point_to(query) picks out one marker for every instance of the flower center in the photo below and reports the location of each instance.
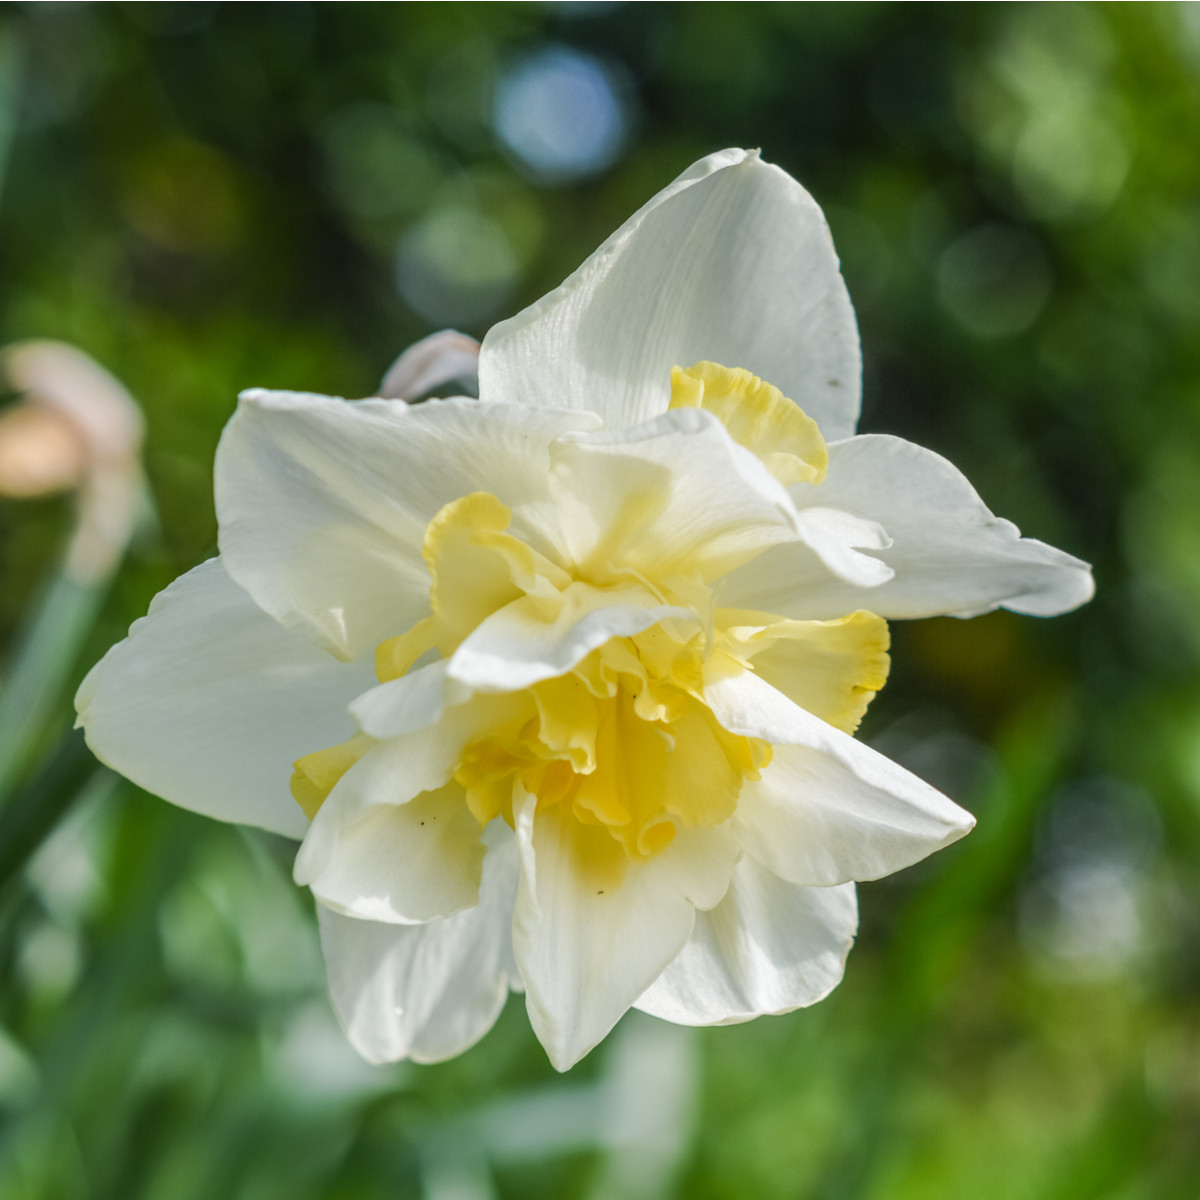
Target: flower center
(623, 740)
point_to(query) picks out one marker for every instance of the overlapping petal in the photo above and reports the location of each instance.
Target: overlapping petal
(380, 796)
(733, 263)
(831, 669)
(675, 492)
(426, 992)
(404, 863)
(768, 947)
(828, 809)
(209, 701)
(413, 702)
(591, 932)
(323, 504)
(522, 644)
(948, 555)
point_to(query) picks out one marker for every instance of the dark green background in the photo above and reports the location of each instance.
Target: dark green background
(208, 197)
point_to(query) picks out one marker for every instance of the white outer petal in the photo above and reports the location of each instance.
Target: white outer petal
(949, 554)
(415, 701)
(404, 863)
(768, 947)
(426, 992)
(390, 774)
(586, 957)
(323, 503)
(828, 809)
(733, 263)
(208, 703)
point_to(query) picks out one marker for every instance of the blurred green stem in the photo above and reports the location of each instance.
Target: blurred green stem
(36, 808)
(45, 655)
(10, 93)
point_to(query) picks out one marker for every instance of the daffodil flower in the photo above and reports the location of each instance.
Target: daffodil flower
(557, 687)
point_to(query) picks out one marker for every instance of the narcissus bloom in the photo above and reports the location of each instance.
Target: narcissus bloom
(557, 687)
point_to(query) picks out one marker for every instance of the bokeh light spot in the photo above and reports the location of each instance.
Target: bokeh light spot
(562, 114)
(375, 165)
(994, 280)
(456, 267)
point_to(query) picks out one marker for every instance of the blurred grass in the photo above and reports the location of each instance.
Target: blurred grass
(208, 198)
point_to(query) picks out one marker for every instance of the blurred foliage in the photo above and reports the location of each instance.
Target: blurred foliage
(210, 197)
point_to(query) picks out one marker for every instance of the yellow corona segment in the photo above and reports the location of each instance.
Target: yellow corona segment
(624, 746)
(477, 568)
(315, 775)
(758, 416)
(831, 668)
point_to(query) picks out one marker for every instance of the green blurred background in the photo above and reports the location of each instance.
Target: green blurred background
(208, 197)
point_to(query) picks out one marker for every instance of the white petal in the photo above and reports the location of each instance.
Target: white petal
(516, 648)
(586, 954)
(950, 555)
(413, 702)
(700, 863)
(677, 493)
(828, 808)
(323, 504)
(406, 863)
(208, 703)
(426, 992)
(837, 538)
(441, 358)
(370, 806)
(732, 263)
(768, 947)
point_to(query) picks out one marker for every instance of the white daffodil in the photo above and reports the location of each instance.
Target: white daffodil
(558, 686)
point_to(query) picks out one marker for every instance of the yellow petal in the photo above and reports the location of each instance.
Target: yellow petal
(470, 560)
(831, 668)
(567, 721)
(758, 416)
(394, 656)
(477, 568)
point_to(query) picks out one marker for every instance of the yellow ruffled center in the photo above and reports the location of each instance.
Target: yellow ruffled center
(624, 741)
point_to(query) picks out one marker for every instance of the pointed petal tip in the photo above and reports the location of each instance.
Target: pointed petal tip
(1088, 589)
(958, 822)
(1079, 587)
(563, 1050)
(1067, 585)
(961, 823)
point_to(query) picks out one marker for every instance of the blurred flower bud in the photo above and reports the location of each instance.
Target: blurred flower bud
(41, 452)
(75, 428)
(438, 359)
